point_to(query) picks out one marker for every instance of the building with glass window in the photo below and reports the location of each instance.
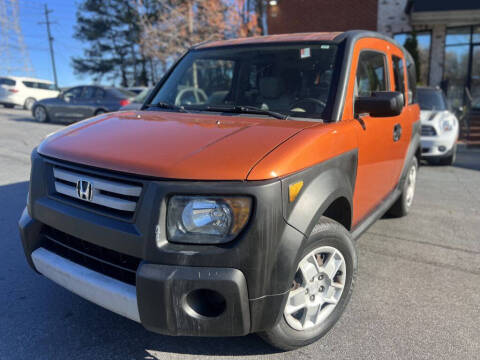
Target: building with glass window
(445, 34)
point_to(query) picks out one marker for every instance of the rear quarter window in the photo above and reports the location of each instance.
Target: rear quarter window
(411, 80)
(9, 82)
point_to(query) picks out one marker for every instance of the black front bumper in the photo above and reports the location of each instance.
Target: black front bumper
(206, 290)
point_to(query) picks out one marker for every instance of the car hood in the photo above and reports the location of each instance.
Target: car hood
(429, 116)
(171, 145)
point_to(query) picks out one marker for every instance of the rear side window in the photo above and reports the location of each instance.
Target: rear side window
(9, 82)
(46, 86)
(371, 73)
(30, 84)
(411, 80)
(99, 93)
(398, 73)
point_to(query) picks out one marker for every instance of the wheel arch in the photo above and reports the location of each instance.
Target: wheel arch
(340, 210)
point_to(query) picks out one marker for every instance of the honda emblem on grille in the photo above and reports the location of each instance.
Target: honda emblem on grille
(84, 190)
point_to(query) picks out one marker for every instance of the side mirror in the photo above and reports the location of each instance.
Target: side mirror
(380, 104)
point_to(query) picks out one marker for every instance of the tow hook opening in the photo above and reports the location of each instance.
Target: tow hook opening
(204, 303)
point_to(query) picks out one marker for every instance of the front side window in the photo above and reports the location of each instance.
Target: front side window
(73, 93)
(294, 80)
(371, 73)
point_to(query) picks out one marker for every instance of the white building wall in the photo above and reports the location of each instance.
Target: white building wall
(391, 17)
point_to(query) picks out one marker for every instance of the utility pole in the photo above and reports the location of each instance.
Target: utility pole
(50, 43)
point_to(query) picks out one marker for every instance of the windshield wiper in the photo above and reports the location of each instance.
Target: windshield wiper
(164, 105)
(247, 110)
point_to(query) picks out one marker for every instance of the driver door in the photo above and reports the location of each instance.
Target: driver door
(66, 108)
(376, 160)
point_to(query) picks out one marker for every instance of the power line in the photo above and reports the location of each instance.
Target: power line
(50, 43)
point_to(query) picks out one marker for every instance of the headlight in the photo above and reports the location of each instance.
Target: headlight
(206, 219)
(447, 125)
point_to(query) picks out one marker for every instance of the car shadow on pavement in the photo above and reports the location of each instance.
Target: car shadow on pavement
(466, 159)
(47, 312)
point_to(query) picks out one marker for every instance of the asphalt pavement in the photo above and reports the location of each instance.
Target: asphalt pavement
(417, 295)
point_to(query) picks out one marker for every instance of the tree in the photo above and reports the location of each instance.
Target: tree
(111, 27)
(411, 44)
(175, 25)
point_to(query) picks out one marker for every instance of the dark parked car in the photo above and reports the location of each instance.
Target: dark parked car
(81, 102)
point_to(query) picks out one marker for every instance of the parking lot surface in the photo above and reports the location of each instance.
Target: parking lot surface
(417, 294)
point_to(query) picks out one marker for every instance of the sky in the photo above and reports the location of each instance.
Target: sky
(62, 29)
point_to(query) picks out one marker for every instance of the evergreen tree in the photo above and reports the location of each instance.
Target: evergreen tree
(411, 44)
(111, 29)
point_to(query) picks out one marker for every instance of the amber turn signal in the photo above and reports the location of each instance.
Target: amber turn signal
(294, 190)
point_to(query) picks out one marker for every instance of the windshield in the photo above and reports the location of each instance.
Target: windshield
(295, 79)
(431, 100)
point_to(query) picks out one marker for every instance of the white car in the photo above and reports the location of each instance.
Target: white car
(23, 91)
(440, 127)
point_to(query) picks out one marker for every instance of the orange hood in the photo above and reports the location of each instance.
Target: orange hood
(171, 145)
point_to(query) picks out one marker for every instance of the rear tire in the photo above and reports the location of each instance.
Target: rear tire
(99, 112)
(40, 114)
(29, 103)
(330, 250)
(402, 206)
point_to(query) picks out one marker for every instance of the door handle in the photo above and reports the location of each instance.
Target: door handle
(397, 132)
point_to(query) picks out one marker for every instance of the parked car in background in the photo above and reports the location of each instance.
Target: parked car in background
(440, 127)
(81, 102)
(136, 89)
(138, 100)
(23, 91)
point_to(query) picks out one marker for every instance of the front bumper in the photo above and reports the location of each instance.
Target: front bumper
(205, 290)
(438, 146)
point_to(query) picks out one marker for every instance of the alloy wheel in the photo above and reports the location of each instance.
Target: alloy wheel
(411, 180)
(40, 114)
(316, 289)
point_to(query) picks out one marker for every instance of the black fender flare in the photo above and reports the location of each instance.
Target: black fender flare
(322, 185)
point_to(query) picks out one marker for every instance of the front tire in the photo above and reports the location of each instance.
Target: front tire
(321, 288)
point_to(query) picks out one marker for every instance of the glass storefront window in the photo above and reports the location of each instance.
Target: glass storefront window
(457, 36)
(476, 34)
(455, 72)
(462, 64)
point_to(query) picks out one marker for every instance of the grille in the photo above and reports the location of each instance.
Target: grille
(92, 190)
(428, 130)
(105, 261)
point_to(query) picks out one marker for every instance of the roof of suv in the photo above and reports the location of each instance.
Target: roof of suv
(23, 78)
(316, 36)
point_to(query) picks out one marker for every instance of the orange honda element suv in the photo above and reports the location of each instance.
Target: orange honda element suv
(231, 202)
